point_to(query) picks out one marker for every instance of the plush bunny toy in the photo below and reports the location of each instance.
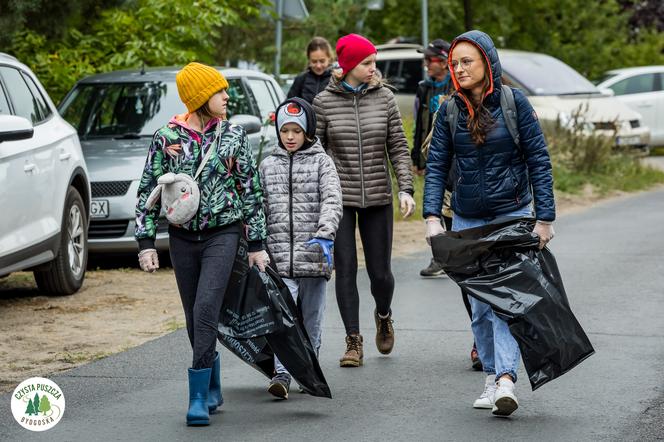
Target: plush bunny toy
(179, 197)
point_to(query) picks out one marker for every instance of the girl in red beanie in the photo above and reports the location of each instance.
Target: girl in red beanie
(359, 125)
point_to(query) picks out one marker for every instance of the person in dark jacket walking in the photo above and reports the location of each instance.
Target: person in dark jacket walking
(429, 95)
(203, 248)
(360, 127)
(495, 178)
(315, 79)
(303, 207)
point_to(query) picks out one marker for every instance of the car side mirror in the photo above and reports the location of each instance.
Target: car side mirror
(14, 128)
(251, 123)
(608, 92)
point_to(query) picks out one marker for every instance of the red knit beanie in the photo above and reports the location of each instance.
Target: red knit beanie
(351, 50)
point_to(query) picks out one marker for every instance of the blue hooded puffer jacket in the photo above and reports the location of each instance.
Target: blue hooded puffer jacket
(496, 177)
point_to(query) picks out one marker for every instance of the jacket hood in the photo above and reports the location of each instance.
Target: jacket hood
(313, 148)
(310, 133)
(488, 49)
(335, 85)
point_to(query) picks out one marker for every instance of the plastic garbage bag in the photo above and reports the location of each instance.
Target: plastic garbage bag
(500, 264)
(267, 294)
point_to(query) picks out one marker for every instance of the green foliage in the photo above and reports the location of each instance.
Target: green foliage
(44, 405)
(154, 32)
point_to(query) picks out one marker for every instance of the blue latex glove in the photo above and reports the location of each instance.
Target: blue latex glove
(326, 245)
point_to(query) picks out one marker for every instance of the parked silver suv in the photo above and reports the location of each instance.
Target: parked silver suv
(45, 195)
(116, 115)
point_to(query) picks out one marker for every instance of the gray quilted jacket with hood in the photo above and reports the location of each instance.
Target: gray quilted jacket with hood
(361, 131)
(302, 198)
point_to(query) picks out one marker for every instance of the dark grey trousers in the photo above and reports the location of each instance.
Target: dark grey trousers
(202, 264)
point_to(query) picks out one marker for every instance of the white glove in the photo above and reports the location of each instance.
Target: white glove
(407, 204)
(148, 260)
(545, 232)
(434, 228)
(260, 258)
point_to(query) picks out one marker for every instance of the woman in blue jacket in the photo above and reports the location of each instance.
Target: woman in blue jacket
(495, 178)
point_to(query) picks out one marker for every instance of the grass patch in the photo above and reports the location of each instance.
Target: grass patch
(173, 325)
(657, 151)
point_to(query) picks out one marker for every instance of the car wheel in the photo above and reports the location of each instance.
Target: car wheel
(66, 273)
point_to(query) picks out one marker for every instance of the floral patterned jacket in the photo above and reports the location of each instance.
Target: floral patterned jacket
(229, 183)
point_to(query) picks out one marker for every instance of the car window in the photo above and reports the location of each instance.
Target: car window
(40, 102)
(635, 85)
(121, 109)
(542, 74)
(238, 100)
(4, 104)
(25, 104)
(262, 95)
(412, 73)
(392, 69)
(380, 65)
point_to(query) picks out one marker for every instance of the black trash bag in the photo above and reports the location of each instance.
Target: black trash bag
(249, 308)
(500, 264)
(287, 339)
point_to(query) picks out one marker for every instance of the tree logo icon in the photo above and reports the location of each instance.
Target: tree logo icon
(38, 404)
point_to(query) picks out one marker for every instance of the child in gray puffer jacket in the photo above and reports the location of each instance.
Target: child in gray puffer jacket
(303, 205)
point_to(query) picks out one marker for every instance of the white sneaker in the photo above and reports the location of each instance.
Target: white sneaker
(505, 402)
(485, 400)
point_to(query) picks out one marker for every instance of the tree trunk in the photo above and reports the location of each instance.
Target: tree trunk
(468, 15)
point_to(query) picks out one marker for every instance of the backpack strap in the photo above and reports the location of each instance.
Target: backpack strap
(452, 115)
(508, 106)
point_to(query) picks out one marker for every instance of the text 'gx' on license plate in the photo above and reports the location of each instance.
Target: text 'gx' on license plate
(99, 209)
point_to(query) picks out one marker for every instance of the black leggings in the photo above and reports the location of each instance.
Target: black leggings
(202, 265)
(375, 225)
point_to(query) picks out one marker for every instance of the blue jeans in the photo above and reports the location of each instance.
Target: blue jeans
(311, 292)
(497, 348)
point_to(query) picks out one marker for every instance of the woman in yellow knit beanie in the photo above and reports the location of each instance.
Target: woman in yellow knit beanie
(203, 249)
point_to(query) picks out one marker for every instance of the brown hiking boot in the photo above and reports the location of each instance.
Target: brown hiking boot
(354, 354)
(384, 333)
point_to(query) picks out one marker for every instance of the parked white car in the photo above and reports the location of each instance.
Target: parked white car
(555, 90)
(45, 196)
(642, 89)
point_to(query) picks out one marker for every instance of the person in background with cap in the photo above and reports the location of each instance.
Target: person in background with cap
(430, 95)
(360, 127)
(203, 249)
(303, 207)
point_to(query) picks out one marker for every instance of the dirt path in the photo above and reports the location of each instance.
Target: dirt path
(116, 310)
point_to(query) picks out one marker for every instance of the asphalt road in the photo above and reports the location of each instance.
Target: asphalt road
(610, 257)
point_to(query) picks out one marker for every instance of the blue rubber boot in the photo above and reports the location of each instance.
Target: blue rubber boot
(199, 383)
(215, 399)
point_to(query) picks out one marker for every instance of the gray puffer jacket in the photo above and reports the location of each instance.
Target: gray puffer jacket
(361, 131)
(302, 198)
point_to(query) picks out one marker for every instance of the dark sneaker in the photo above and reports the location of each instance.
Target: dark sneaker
(433, 271)
(475, 359)
(384, 333)
(354, 354)
(280, 385)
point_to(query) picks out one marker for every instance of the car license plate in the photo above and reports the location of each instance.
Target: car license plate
(99, 209)
(628, 141)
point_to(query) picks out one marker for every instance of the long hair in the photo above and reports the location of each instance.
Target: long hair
(480, 120)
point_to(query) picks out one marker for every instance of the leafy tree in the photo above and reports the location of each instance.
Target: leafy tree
(35, 403)
(151, 32)
(44, 405)
(31, 408)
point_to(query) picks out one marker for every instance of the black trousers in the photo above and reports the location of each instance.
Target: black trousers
(376, 225)
(202, 263)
